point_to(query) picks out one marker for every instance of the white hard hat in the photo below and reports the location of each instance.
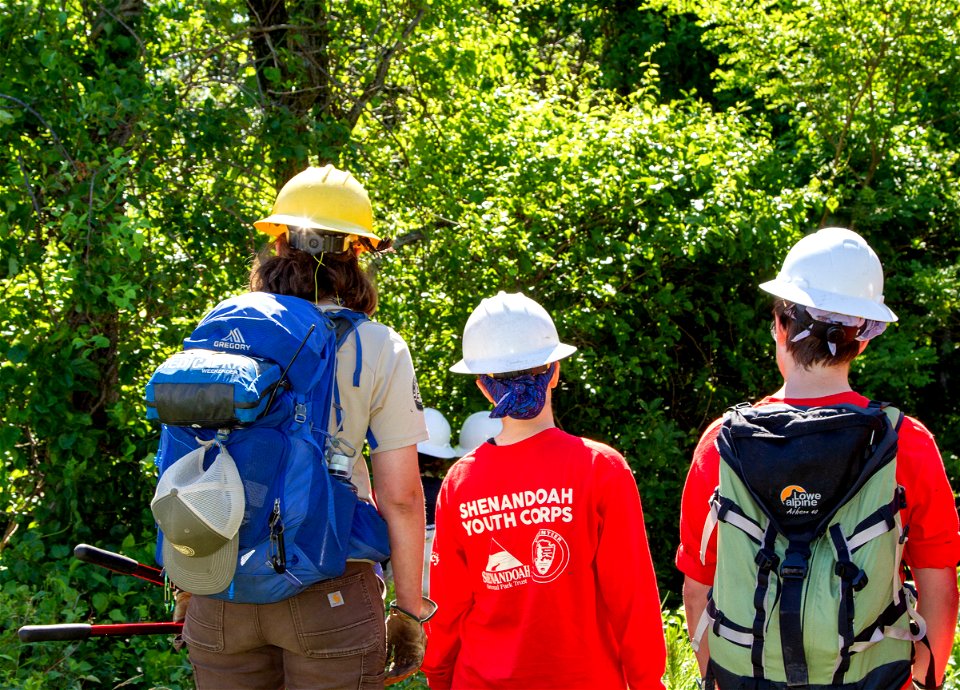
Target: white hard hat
(476, 429)
(834, 270)
(509, 332)
(438, 445)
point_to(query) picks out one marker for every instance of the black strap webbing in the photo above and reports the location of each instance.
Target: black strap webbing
(849, 575)
(767, 561)
(885, 514)
(720, 621)
(793, 572)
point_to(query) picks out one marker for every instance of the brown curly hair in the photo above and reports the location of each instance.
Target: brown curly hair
(282, 270)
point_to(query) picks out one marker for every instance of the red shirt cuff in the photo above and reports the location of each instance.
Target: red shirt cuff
(690, 565)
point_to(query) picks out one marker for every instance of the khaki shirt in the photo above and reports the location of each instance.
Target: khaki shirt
(387, 401)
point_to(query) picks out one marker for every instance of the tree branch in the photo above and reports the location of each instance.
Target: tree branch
(376, 84)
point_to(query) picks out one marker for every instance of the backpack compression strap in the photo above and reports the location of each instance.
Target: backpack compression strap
(725, 510)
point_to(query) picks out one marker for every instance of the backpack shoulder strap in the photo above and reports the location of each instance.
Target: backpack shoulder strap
(895, 416)
(345, 322)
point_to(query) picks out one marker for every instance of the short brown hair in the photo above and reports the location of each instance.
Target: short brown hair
(811, 350)
(282, 270)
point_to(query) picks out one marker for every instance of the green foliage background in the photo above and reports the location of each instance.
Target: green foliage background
(638, 168)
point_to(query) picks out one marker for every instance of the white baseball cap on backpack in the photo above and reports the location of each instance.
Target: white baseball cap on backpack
(200, 512)
(509, 332)
(833, 270)
(438, 444)
(476, 429)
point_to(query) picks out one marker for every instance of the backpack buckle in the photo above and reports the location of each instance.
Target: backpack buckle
(904, 534)
(766, 559)
(300, 413)
(851, 573)
(901, 498)
(794, 567)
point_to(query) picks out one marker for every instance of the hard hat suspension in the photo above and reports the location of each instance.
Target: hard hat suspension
(832, 328)
(316, 242)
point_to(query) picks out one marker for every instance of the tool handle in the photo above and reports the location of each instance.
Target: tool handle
(81, 631)
(54, 633)
(117, 563)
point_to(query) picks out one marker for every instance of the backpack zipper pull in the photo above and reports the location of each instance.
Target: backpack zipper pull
(278, 551)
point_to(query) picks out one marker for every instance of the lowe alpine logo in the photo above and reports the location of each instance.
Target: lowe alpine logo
(799, 501)
(232, 341)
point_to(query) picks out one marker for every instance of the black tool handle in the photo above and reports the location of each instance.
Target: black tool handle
(117, 563)
(54, 633)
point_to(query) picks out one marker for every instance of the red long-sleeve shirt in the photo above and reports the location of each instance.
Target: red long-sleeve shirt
(542, 572)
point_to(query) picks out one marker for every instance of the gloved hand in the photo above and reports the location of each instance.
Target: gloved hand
(406, 641)
(182, 601)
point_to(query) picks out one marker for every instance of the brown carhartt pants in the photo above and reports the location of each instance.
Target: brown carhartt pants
(329, 637)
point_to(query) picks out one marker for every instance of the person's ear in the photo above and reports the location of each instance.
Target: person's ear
(863, 346)
(483, 389)
(555, 379)
(778, 332)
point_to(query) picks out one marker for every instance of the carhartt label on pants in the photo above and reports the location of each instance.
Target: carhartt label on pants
(335, 598)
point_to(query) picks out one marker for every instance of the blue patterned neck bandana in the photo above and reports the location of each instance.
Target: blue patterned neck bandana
(522, 397)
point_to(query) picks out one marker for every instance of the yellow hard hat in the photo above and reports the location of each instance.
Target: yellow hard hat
(325, 199)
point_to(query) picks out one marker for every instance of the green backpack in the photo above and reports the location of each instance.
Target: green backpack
(808, 590)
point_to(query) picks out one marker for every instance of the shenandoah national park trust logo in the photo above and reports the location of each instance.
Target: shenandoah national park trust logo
(549, 555)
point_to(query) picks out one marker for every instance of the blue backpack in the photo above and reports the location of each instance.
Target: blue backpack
(258, 375)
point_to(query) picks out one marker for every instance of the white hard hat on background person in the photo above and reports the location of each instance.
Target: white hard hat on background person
(509, 332)
(438, 445)
(476, 429)
(321, 201)
(833, 270)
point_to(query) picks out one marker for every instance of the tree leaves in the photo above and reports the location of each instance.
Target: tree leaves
(579, 152)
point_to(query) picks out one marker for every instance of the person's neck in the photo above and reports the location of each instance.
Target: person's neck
(516, 430)
(816, 382)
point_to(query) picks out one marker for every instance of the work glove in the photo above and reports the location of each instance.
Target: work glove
(406, 641)
(181, 602)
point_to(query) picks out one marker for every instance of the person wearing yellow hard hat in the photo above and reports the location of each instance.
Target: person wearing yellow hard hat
(323, 210)
(333, 634)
